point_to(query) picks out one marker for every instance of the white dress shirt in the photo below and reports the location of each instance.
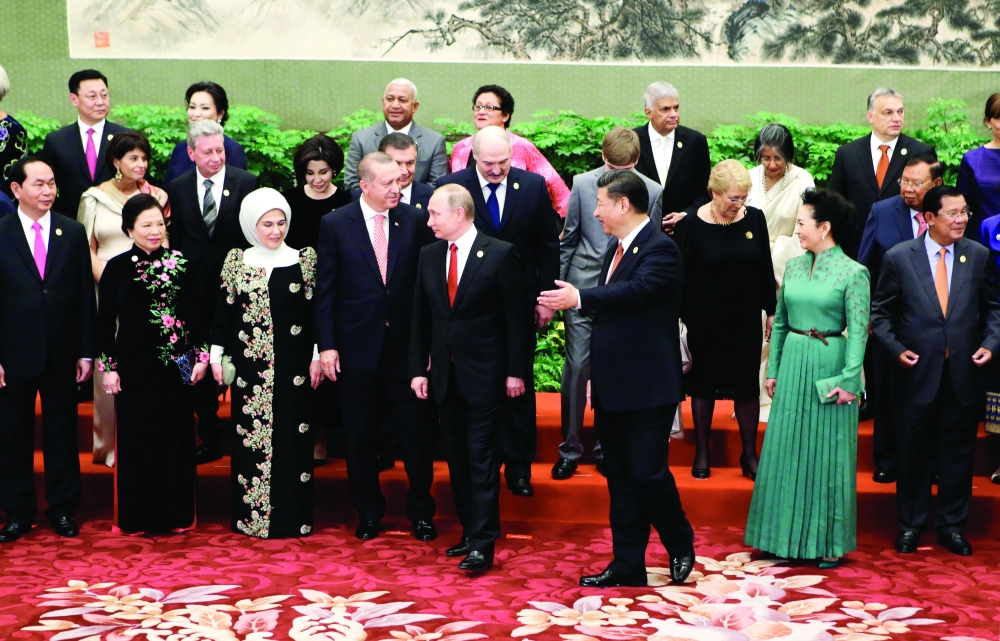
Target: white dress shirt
(369, 215)
(933, 257)
(662, 156)
(625, 243)
(98, 134)
(464, 245)
(29, 233)
(217, 181)
(877, 153)
(404, 130)
(405, 194)
(501, 191)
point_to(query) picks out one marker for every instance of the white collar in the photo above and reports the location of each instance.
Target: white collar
(655, 135)
(464, 242)
(406, 191)
(876, 143)
(627, 241)
(483, 182)
(98, 127)
(404, 130)
(933, 247)
(217, 179)
(27, 222)
(367, 210)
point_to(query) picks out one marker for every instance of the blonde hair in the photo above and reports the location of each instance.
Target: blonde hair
(458, 196)
(729, 174)
(621, 147)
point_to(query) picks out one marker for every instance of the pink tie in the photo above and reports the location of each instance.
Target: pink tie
(381, 246)
(39, 250)
(922, 224)
(91, 154)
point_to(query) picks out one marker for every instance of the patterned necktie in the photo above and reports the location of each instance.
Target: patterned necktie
(494, 204)
(614, 263)
(381, 246)
(453, 275)
(941, 281)
(883, 165)
(39, 249)
(921, 224)
(209, 210)
(91, 155)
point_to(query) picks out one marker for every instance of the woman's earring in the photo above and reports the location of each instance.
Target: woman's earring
(131, 237)
(823, 237)
(118, 175)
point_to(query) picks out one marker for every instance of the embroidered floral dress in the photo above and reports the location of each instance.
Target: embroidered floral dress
(155, 435)
(265, 324)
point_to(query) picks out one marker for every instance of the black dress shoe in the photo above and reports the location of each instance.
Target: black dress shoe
(701, 472)
(563, 469)
(521, 487)
(955, 543)
(386, 463)
(866, 410)
(477, 561)
(367, 530)
(599, 466)
(13, 531)
(65, 526)
(681, 566)
(612, 579)
(907, 542)
(206, 454)
(424, 531)
(459, 549)
(884, 475)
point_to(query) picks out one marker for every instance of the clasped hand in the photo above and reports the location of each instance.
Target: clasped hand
(909, 359)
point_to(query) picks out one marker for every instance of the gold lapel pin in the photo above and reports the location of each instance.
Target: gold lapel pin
(59, 233)
(110, 136)
(517, 186)
(961, 259)
(680, 145)
(903, 151)
(225, 192)
(749, 235)
(998, 236)
(479, 254)
(417, 206)
(635, 250)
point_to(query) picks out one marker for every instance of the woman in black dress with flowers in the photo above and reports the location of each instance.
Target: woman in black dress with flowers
(150, 357)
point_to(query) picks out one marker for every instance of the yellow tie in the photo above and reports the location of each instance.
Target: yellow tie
(941, 281)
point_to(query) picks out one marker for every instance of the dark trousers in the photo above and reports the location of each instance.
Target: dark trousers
(368, 400)
(945, 429)
(642, 489)
(471, 437)
(879, 363)
(57, 387)
(206, 407)
(518, 432)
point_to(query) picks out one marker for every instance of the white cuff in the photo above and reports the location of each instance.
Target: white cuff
(215, 354)
(579, 300)
(315, 352)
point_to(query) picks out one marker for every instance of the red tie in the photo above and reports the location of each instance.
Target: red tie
(453, 275)
(883, 165)
(614, 263)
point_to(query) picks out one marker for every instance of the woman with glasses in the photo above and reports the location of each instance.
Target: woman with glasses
(728, 281)
(493, 106)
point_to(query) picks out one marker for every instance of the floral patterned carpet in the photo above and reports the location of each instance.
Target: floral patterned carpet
(211, 584)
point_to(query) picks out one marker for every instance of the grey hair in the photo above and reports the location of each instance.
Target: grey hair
(882, 91)
(4, 84)
(366, 168)
(658, 90)
(405, 83)
(499, 133)
(201, 128)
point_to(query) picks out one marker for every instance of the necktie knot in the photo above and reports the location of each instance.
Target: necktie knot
(884, 148)
(37, 226)
(454, 248)
(379, 218)
(208, 183)
(90, 132)
(493, 187)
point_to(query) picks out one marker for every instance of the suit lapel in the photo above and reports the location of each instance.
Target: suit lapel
(482, 211)
(922, 268)
(609, 256)
(960, 272)
(646, 149)
(864, 158)
(902, 218)
(678, 155)
(54, 251)
(479, 246)
(16, 233)
(397, 229)
(896, 163)
(360, 231)
(631, 253)
(75, 145)
(510, 200)
(102, 146)
(439, 273)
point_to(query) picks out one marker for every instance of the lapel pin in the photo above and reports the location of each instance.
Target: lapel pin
(680, 145)
(998, 236)
(749, 235)
(517, 186)
(396, 223)
(961, 259)
(135, 259)
(635, 250)
(110, 136)
(225, 192)
(59, 233)
(903, 151)
(417, 206)
(479, 254)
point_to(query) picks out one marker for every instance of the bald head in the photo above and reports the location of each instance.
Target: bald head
(491, 147)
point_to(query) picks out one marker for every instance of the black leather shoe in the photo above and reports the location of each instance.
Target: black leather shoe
(477, 561)
(459, 549)
(367, 530)
(907, 542)
(866, 410)
(66, 526)
(701, 472)
(612, 579)
(955, 543)
(681, 566)
(386, 463)
(424, 531)
(563, 469)
(995, 478)
(13, 531)
(206, 454)
(521, 487)
(599, 466)
(884, 475)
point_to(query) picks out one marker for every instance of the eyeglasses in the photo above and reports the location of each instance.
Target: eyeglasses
(965, 213)
(903, 182)
(485, 108)
(738, 200)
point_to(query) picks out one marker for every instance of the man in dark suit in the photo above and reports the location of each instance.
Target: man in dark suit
(868, 169)
(891, 222)
(937, 311)
(513, 205)
(672, 156)
(635, 379)
(468, 319)
(76, 152)
(368, 253)
(47, 317)
(6, 206)
(205, 226)
(403, 150)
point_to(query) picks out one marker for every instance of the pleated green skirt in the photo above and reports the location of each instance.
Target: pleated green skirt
(804, 502)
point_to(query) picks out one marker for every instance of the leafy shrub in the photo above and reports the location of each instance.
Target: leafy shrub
(550, 353)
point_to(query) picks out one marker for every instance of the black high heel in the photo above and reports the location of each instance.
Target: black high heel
(745, 466)
(701, 472)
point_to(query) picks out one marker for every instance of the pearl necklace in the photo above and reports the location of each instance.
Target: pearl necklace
(763, 184)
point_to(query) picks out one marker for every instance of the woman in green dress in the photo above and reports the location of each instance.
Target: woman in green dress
(804, 503)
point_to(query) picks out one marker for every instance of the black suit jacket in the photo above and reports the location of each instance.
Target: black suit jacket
(634, 363)
(64, 152)
(686, 188)
(853, 176)
(888, 225)
(51, 318)
(906, 315)
(527, 221)
(352, 303)
(420, 195)
(482, 336)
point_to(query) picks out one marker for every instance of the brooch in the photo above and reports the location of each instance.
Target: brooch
(749, 235)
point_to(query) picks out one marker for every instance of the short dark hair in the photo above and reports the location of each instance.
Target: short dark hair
(218, 97)
(933, 198)
(506, 100)
(18, 171)
(622, 183)
(777, 137)
(396, 140)
(85, 74)
(830, 207)
(319, 147)
(992, 107)
(928, 158)
(135, 206)
(124, 143)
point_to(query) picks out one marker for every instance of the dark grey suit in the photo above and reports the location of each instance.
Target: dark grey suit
(432, 161)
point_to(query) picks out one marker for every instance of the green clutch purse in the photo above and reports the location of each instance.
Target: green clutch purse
(825, 386)
(228, 370)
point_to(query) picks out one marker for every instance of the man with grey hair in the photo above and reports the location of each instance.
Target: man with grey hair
(399, 103)
(205, 226)
(674, 157)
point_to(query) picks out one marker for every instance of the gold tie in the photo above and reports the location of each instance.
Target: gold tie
(941, 281)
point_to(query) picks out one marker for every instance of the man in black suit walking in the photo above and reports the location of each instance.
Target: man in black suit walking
(513, 205)
(205, 226)
(937, 311)
(47, 317)
(468, 319)
(76, 152)
(635, 379)
(672, 156)
(367, 263)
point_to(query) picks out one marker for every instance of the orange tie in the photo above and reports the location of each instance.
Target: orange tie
(883, 165)
(614, 263)
(941, 281)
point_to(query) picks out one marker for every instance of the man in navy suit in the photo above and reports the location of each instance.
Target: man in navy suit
(513, 205)
(76, 152)
(403, 150)
(635, 379)
(367, 262)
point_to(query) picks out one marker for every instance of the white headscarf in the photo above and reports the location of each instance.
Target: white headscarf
(255, 205)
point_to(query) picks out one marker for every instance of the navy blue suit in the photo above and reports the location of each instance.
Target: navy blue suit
(6, 206)
(420, 195)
